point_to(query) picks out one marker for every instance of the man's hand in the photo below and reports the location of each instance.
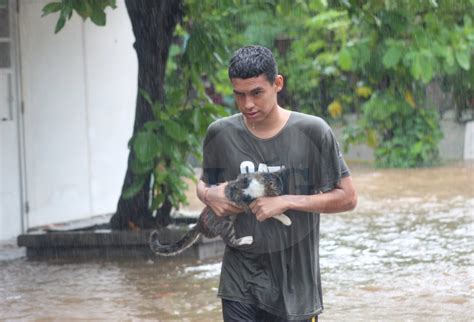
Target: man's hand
(216, 199)
(267, 207)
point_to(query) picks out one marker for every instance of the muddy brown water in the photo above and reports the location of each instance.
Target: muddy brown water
(405, 253)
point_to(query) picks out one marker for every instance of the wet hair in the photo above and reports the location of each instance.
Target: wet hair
(253, 61)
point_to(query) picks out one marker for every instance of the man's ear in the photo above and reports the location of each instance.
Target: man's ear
(279, 82)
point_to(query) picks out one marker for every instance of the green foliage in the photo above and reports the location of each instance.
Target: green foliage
(164, 145)
(372, 57)
(317, 63)
(404, 136)
(350, 50)
(93, 9)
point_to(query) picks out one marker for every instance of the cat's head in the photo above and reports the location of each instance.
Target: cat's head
(248, 187)
(273, 182)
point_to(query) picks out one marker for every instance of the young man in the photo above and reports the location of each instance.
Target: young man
(278, 278)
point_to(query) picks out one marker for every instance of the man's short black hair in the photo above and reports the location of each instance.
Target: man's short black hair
(253, 61)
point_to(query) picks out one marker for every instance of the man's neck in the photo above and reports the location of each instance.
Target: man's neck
(271, 125)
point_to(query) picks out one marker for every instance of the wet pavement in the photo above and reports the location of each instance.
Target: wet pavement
(406, 253)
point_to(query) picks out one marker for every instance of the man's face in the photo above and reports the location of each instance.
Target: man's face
(256, 97)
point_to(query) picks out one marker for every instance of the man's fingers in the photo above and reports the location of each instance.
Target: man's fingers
(253, 206)
(226, 209)
(234, 208)
(216, 211)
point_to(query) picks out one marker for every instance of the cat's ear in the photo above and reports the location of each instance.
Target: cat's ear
(240, 178)
(244, 180)
(284, 177)
(284, 173)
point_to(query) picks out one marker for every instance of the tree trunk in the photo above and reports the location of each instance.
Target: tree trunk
(153, 23)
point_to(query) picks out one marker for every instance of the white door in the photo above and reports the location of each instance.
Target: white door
(55, 117)
(10, 180)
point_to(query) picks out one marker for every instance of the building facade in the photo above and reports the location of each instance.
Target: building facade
(67, 104)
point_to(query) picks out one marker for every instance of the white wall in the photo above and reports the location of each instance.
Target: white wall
(10, 187)
(10, 204)
(79, 90)
(111, 75)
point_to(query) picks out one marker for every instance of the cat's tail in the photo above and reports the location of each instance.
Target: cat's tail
(177, 247)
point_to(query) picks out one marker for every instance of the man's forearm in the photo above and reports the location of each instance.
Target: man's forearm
(330, 202)
(342, 198)
(201, 188)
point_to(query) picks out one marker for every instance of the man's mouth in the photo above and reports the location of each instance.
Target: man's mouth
(251, 114)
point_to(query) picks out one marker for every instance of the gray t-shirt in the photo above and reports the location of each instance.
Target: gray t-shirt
(280, 271)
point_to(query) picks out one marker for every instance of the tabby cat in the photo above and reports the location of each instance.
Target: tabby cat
(243, 190)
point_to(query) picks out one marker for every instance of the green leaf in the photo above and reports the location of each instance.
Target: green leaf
(98, 17)
(157, 201)
(426, 70)
(159, 111)
(66, 12)
(146, 146)
(139, 167)
(60, 24)
(175, 130)
(417, 148)
(196, 119)
(135, 187)
(463, 58)
(51, 7)
(345, 59)
(415, 67)
(161, 176)
(151, 125)
(187, 171)
(82, 9)
(175, 155)
(146, 96)
(392, 56)
(449, 56)
(372, 140)
(111, 3)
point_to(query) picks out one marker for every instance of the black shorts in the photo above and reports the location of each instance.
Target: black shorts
(237, 311)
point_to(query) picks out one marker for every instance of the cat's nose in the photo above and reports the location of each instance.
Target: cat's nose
(247, 199)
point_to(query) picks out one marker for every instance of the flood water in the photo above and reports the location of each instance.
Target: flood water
(406, 253)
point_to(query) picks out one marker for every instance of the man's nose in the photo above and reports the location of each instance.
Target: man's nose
(248, 103)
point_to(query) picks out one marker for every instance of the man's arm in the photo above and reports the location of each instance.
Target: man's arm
(342, 198)
(214, 197)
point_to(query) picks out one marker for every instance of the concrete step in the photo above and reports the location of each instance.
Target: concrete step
(112, 245)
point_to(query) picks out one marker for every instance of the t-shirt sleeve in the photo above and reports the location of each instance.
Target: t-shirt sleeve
(210, 165)
(332, 167)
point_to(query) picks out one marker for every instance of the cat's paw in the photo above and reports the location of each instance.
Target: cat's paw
(285, 220)
(247, 240)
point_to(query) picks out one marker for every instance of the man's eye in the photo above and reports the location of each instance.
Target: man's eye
(256, 94)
